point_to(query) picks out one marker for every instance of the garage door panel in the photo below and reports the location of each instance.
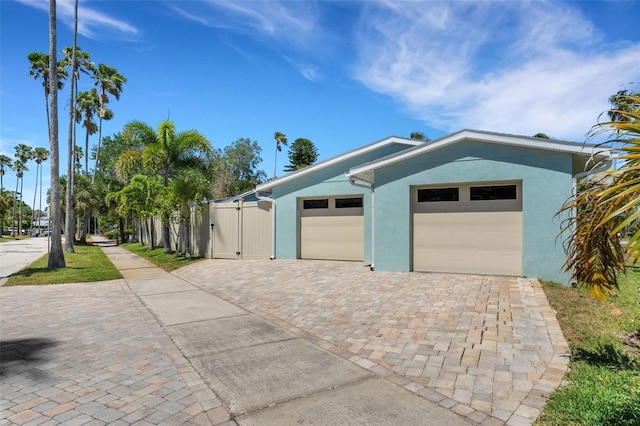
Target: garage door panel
(472, 242)
(332, 237)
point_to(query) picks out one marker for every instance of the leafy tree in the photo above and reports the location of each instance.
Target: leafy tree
(541, 135)
(141, 196)
(191, 187)
(623, 103)
(236, 168)
(7, 200)
(85, 199)
(56, 257)
(4, 163)
(417, 136)
(166, 154)
(607, 204)
(302, 153)
(108, 179)
(280, 139)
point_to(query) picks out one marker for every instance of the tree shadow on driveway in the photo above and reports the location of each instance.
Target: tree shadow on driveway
(21, 355)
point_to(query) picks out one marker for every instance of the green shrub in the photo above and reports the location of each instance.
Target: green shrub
(112, 235)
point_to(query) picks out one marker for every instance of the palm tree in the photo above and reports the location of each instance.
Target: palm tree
(78, 61)
(78, 153)
(109, 82)
(88, 105)
(19, 167)
(280, 139)
(141, 195)
(56, 256)
(607, 205)
(24, 153)
(4, 162)
(190, 188)
(40, 70)
(40, 155)
(165, 154)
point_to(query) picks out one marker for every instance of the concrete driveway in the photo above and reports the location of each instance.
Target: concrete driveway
(488, 348)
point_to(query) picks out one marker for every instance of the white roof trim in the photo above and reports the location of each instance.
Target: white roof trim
(497, 138)
(266, 187)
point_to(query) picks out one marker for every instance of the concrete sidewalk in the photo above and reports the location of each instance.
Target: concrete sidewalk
(263, 374)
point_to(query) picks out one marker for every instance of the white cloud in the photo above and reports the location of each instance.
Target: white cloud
(292, 25)
(308, 71)
(290, 22)
(508, 67)
(91, 22)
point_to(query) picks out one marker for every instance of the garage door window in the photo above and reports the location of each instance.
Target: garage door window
(348, 203)
(430, 195)
(493, 192)
(315, 204)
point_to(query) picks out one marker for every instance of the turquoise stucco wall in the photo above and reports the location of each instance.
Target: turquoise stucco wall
(546, 185)
(328, 181)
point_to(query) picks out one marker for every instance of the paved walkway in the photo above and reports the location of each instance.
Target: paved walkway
(16, 255)
(92, 354)
(488, 348)
(154, 349)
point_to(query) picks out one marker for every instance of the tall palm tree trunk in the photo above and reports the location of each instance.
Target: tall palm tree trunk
(13, 210)
(86, 153)
(20, 206)
(40, 206)
(85, 225)
(35, 193)
(70, 210)
(56, 256)
(95, 170)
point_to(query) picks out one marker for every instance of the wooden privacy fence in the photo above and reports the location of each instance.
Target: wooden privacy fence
(241, 230)
(233, 230)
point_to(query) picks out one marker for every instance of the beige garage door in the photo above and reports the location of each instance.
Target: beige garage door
(332, 228)
(471, 228)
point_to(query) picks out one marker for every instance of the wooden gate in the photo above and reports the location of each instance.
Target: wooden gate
(241, 230)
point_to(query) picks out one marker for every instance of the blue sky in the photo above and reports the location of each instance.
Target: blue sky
(342, 74)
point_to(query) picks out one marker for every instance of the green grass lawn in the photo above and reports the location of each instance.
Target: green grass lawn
(87, 264)
(604, 376)
(167, 261)
(6, 238)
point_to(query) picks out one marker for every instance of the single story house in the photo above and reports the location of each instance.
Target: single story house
(470, 202)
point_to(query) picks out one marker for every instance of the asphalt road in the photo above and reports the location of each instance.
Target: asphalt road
(16, 255)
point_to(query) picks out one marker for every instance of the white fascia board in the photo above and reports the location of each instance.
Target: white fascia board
(497, 138)
(267, 186)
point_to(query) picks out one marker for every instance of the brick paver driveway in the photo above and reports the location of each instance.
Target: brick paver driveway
(91, 354)
(471, 343)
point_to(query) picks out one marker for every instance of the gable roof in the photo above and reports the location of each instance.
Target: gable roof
(364, 171)
(245, 196)
(266, 187)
